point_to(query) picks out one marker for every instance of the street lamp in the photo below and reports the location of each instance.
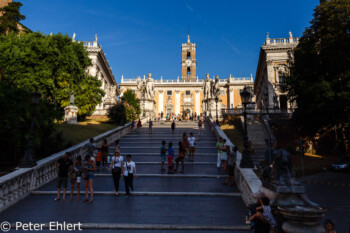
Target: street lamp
(29, 157)
(266, 103)
(246, 161)
(216, 101)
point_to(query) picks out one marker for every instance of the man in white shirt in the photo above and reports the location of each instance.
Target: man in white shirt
(192, 146)
(129, 172)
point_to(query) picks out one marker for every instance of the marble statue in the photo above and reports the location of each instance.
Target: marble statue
(283, 168)
(72, 98)
(215, 87)
(207, 87)
(149, 87)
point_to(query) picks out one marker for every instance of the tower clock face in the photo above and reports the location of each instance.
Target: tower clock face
(188, 62)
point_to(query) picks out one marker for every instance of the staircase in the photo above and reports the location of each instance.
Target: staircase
(195, 201)
(257, 135)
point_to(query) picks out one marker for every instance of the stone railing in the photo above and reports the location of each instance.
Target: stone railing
(247, 181)
(283, 41)
(198, 80)
(18, 184)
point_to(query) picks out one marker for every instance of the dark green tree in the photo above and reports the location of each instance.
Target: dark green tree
(130, 97)
(10, 18)
(53, 65)
(117, 114)
(319, 81)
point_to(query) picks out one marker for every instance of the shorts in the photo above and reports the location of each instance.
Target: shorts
(62, 181)
(98, 163)
(91, 176)
(192, 149)
(231, 170)
(163, 157)
(223, 156)
(78, 179)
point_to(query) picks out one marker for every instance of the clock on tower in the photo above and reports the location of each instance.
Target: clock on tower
(188, 62)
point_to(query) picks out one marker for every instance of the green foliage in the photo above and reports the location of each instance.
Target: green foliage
(54, 65)
(121, 113)
(9, 21)
(117, 114)
(16, 114)
(319, 80)
(130, 113)
(130, 97)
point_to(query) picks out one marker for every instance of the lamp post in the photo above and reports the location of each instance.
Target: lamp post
(246, 161)
(29, 157)
(266, 103)
(216, 101)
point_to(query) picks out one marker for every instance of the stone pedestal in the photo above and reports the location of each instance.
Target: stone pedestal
(209, 107)
(71, 114)
(147, 108)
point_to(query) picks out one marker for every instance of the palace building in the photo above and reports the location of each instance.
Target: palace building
(185, 94)
(273, 66)
(100, 68)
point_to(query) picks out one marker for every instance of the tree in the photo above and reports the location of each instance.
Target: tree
(53, 65)
(117, 114)
(16, 115)
(319, 81)
(132, 100)
(11, 16)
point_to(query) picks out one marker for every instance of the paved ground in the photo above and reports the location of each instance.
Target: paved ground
(170, 210)
(331, 190)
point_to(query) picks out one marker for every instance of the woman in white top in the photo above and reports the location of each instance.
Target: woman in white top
(116, 167)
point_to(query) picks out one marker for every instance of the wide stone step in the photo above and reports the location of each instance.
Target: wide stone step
(130, 150)
(159, 184)
(178, 210)
(155, 157)
(209, 169)
(141, 144)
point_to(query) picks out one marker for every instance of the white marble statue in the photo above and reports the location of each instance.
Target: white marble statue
(216, 87)
(150, 87)
(207, 87)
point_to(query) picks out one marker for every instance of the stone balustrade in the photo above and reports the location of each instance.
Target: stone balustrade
(230, 80)
(282, 41)
(18, 184)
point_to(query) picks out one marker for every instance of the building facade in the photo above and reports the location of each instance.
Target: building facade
(185, 95)
(273, 65)
(103, 71)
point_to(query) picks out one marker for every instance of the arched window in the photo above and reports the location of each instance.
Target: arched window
(188, 55)
(188, 71)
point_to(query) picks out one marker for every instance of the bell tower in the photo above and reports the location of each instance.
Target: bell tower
(188, 62)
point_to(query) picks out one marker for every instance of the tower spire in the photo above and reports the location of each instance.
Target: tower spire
(188, 34)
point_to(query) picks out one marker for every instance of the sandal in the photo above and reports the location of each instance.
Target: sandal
(56, 199)
(91, 201)
(86, 200)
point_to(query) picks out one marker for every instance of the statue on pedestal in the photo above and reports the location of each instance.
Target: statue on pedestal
(150, 87)
(207, 87)
(215, 87)
(72, 98)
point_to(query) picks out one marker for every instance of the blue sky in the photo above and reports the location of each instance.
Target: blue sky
(141, 36)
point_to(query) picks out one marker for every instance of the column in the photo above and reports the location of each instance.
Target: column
(197, 102)
(160, 102)
(232, 100)
(177, 102)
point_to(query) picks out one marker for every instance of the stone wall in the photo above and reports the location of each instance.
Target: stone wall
(18, 184)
